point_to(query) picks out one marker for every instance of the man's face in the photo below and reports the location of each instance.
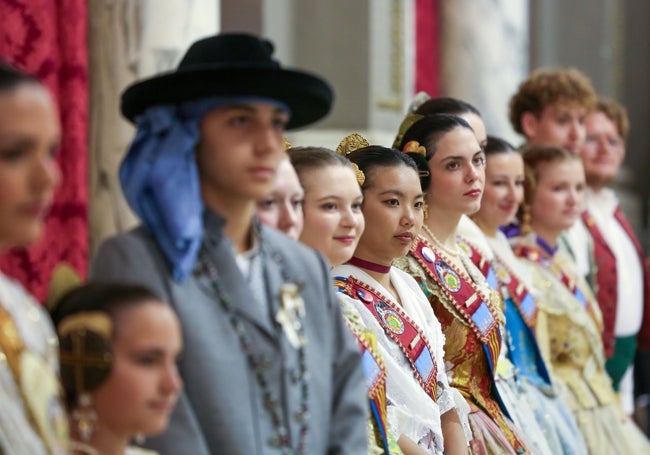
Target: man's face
(239, 152)
(603, 151)
(559, 124)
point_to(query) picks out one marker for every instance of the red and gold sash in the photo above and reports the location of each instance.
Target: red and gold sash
(535, 254)
(375, 374)
(479, 261)
(468, 300)
(399, 328)
(503, 276)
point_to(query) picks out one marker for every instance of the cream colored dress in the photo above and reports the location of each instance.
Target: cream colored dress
(32, 417)
(573, 348)
(411, 411)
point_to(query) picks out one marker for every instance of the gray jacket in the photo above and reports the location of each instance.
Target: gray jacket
(221, 409)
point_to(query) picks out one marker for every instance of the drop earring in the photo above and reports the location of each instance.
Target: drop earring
(85, 417)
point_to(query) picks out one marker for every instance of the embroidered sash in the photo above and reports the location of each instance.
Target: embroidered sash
(479, 261)
(504, 277)
(476, 309)
(535, 254)
(399, 328)
(375, 374)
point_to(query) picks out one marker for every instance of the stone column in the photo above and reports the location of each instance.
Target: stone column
(129, 40)
(485, 56)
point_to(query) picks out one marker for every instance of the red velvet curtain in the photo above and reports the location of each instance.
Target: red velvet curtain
(48, 38)
(427, 49)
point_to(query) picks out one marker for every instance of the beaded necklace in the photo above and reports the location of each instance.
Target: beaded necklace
(271, 403)
(440, 245)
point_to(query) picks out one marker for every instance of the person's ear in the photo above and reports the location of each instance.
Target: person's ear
(529, 124)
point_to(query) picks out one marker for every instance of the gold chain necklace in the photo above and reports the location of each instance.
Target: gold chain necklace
(451, 252)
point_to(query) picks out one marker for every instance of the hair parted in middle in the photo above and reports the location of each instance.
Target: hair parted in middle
(85, 319)
(534, 156)
(496, 145)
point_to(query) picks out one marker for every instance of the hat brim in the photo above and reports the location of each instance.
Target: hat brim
(309, 97)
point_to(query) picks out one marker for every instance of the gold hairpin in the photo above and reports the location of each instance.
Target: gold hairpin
(414, 147)
(408, 121)
(286, 143)
(350, 143)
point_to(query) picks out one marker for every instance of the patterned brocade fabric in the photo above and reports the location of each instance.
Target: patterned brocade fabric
(465, 360)
(48, 39)
(574, 350)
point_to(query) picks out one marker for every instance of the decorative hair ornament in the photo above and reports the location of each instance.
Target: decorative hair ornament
(86, 355)
(95, 321)
(406, 124)
(286, 143)
(418, 100)
(349, 144)
(414, 147)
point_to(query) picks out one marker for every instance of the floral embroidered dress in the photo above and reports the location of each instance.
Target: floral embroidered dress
(412, 410)
(471, 320)
(32, 417)
(554, 430)
(381, 440)
(569, 337)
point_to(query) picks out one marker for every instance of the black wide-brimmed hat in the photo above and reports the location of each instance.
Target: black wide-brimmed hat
(232, 65)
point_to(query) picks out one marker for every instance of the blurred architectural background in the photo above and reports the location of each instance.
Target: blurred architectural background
(377, 54)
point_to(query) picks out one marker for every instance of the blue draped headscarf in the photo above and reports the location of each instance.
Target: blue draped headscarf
(160, 178)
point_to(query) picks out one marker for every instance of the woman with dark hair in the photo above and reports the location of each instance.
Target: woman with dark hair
(503, 194)
(32, 418)
(468, 309)
(422, 408)
(570, 331)
(119, 344)
(424, 105)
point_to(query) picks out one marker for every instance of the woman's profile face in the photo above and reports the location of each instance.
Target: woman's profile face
(333, 218)
(457, 175)
(282, 208)
(504, 189)
(393, 207)
(29, 175)
(558, 198)
(143, 386)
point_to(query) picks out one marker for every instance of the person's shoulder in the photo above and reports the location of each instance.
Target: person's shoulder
(133, 237)
(131, 256)
(278, 243)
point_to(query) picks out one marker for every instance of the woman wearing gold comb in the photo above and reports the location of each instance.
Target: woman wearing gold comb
(424, 413)
(470, 312)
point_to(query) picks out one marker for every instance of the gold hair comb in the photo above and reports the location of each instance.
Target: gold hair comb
(349, 144)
